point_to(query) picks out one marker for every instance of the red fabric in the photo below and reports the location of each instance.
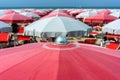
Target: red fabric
(75, 12)
(113, 36)
(106, 11)
(113, 45)
(57, 13)
(38, 61)
(101, 18)
(61, 46)
(4, 37)
(90, 41)
(94, 32)
(39, 13)
(23, 37)
(16, 18)
(9, 11)
(26, 10)
(21, 30)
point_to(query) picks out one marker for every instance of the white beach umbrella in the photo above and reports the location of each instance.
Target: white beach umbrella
(85, 14)
(18, 10)
(30, 14)
(4, 27)
(2, 12)
(116, 14)
(58, 25)
(112, 27)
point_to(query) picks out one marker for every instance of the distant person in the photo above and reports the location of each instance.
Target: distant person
(105, 38)
(14, 28)
(91, 36)
(15, 31)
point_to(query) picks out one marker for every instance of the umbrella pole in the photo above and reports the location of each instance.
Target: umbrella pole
(15, 43)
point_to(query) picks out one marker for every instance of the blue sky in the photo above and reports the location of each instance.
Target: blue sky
(62, 3)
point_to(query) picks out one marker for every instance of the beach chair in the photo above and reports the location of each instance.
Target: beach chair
(4, 39)
(23, 39)
(90, 40)
(113, 45)
(20, 37)
(20, 30)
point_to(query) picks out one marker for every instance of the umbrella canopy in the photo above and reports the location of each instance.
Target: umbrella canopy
(85, 14)
(112, 27)
(57, 12)
(30, 14)
(100, 18)
(47, 61)
(15, 18)
(105, 11)
(2, 12)
(9, 11)
(4, 27)
(116, 14)
(58, 25)
(39, 13)
(76, 12)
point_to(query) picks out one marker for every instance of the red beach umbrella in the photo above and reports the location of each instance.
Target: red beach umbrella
(76, 12)
(9, 11)
(48, 61)
(106, 11)
(15, 18)
(27, 10)
(100, 18)
(57, 13)
(39, 13)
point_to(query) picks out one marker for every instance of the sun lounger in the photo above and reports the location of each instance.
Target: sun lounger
(113, 45)
(20, 30)
(90, 41)
(20, 37)
(23, 39)
(4, 39)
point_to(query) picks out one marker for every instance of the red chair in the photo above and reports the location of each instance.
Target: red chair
(20, 30)
(90, 41)
(23, 39)
(113, 45)
(4, 38)
(20, 37)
